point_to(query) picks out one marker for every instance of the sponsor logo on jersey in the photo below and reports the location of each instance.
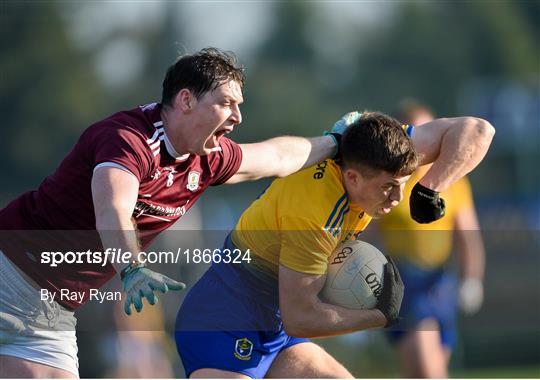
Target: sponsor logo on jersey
(144, 208)
(319, 170)
(193, 180)
(243, 349)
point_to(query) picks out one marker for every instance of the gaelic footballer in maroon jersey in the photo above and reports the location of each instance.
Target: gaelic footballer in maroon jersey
(135, 141)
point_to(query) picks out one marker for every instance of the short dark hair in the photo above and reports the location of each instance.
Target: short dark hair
(200, 72)
(378, 142)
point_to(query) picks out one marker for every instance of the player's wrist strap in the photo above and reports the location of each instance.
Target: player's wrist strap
(337, 140)
(131, 268)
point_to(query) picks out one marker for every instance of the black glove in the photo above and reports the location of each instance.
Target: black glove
(392, 293)
(425, 204)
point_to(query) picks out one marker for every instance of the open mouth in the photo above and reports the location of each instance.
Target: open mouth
(222, 132)
(214, 139)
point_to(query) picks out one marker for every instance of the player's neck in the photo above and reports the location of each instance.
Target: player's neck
(347, 187)
(173, 131)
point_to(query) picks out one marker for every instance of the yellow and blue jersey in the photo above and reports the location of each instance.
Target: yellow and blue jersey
(299, 220)
(426, 245)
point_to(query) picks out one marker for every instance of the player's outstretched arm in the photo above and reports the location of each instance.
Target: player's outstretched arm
(305, 315)
(455, 146)
(281, 156)
(114, 193)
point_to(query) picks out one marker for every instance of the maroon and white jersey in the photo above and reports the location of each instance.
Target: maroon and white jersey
(134, 141)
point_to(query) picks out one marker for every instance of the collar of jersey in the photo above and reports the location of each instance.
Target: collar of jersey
(337, 172)
(171, 150)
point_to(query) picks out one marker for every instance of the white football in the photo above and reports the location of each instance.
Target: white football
(355, 275)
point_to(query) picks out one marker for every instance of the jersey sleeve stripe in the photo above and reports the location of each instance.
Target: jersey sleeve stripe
(340, 215)
(336, 207)
(338, 229)
(154, 137)
(112, 165)
(158, 135)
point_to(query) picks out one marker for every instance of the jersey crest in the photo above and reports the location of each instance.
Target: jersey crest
(193, 180)
(243, 349)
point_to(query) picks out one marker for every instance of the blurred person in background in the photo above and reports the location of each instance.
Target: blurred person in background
(426, 335)
(128, 177)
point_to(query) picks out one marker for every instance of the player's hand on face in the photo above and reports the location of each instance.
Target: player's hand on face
(425, 204)
(392, 293)
(140, 282)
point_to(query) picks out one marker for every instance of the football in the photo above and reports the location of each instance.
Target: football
(354, 279)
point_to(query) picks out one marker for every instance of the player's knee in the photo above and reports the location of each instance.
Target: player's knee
(13, 367)
(336, 371)
(328, 367)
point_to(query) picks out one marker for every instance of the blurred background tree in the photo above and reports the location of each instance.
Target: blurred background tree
(48, 93)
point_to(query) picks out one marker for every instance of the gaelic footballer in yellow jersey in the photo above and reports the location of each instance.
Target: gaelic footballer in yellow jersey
(299, 220)
(255, 320)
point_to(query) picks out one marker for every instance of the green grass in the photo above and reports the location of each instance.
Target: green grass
(532, 372)
(374, 358)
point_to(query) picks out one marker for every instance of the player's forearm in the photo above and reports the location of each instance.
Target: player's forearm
(297, 153)
(117, 232)
(469, 244)
(462, 148)
(471, 253)
(323, 319)
(114, 194)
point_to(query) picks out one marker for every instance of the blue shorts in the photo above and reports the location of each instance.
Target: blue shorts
(428, 294)
(230, 320)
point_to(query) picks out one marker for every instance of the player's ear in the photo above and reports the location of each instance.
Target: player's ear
(353, 176)
(184, 100)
